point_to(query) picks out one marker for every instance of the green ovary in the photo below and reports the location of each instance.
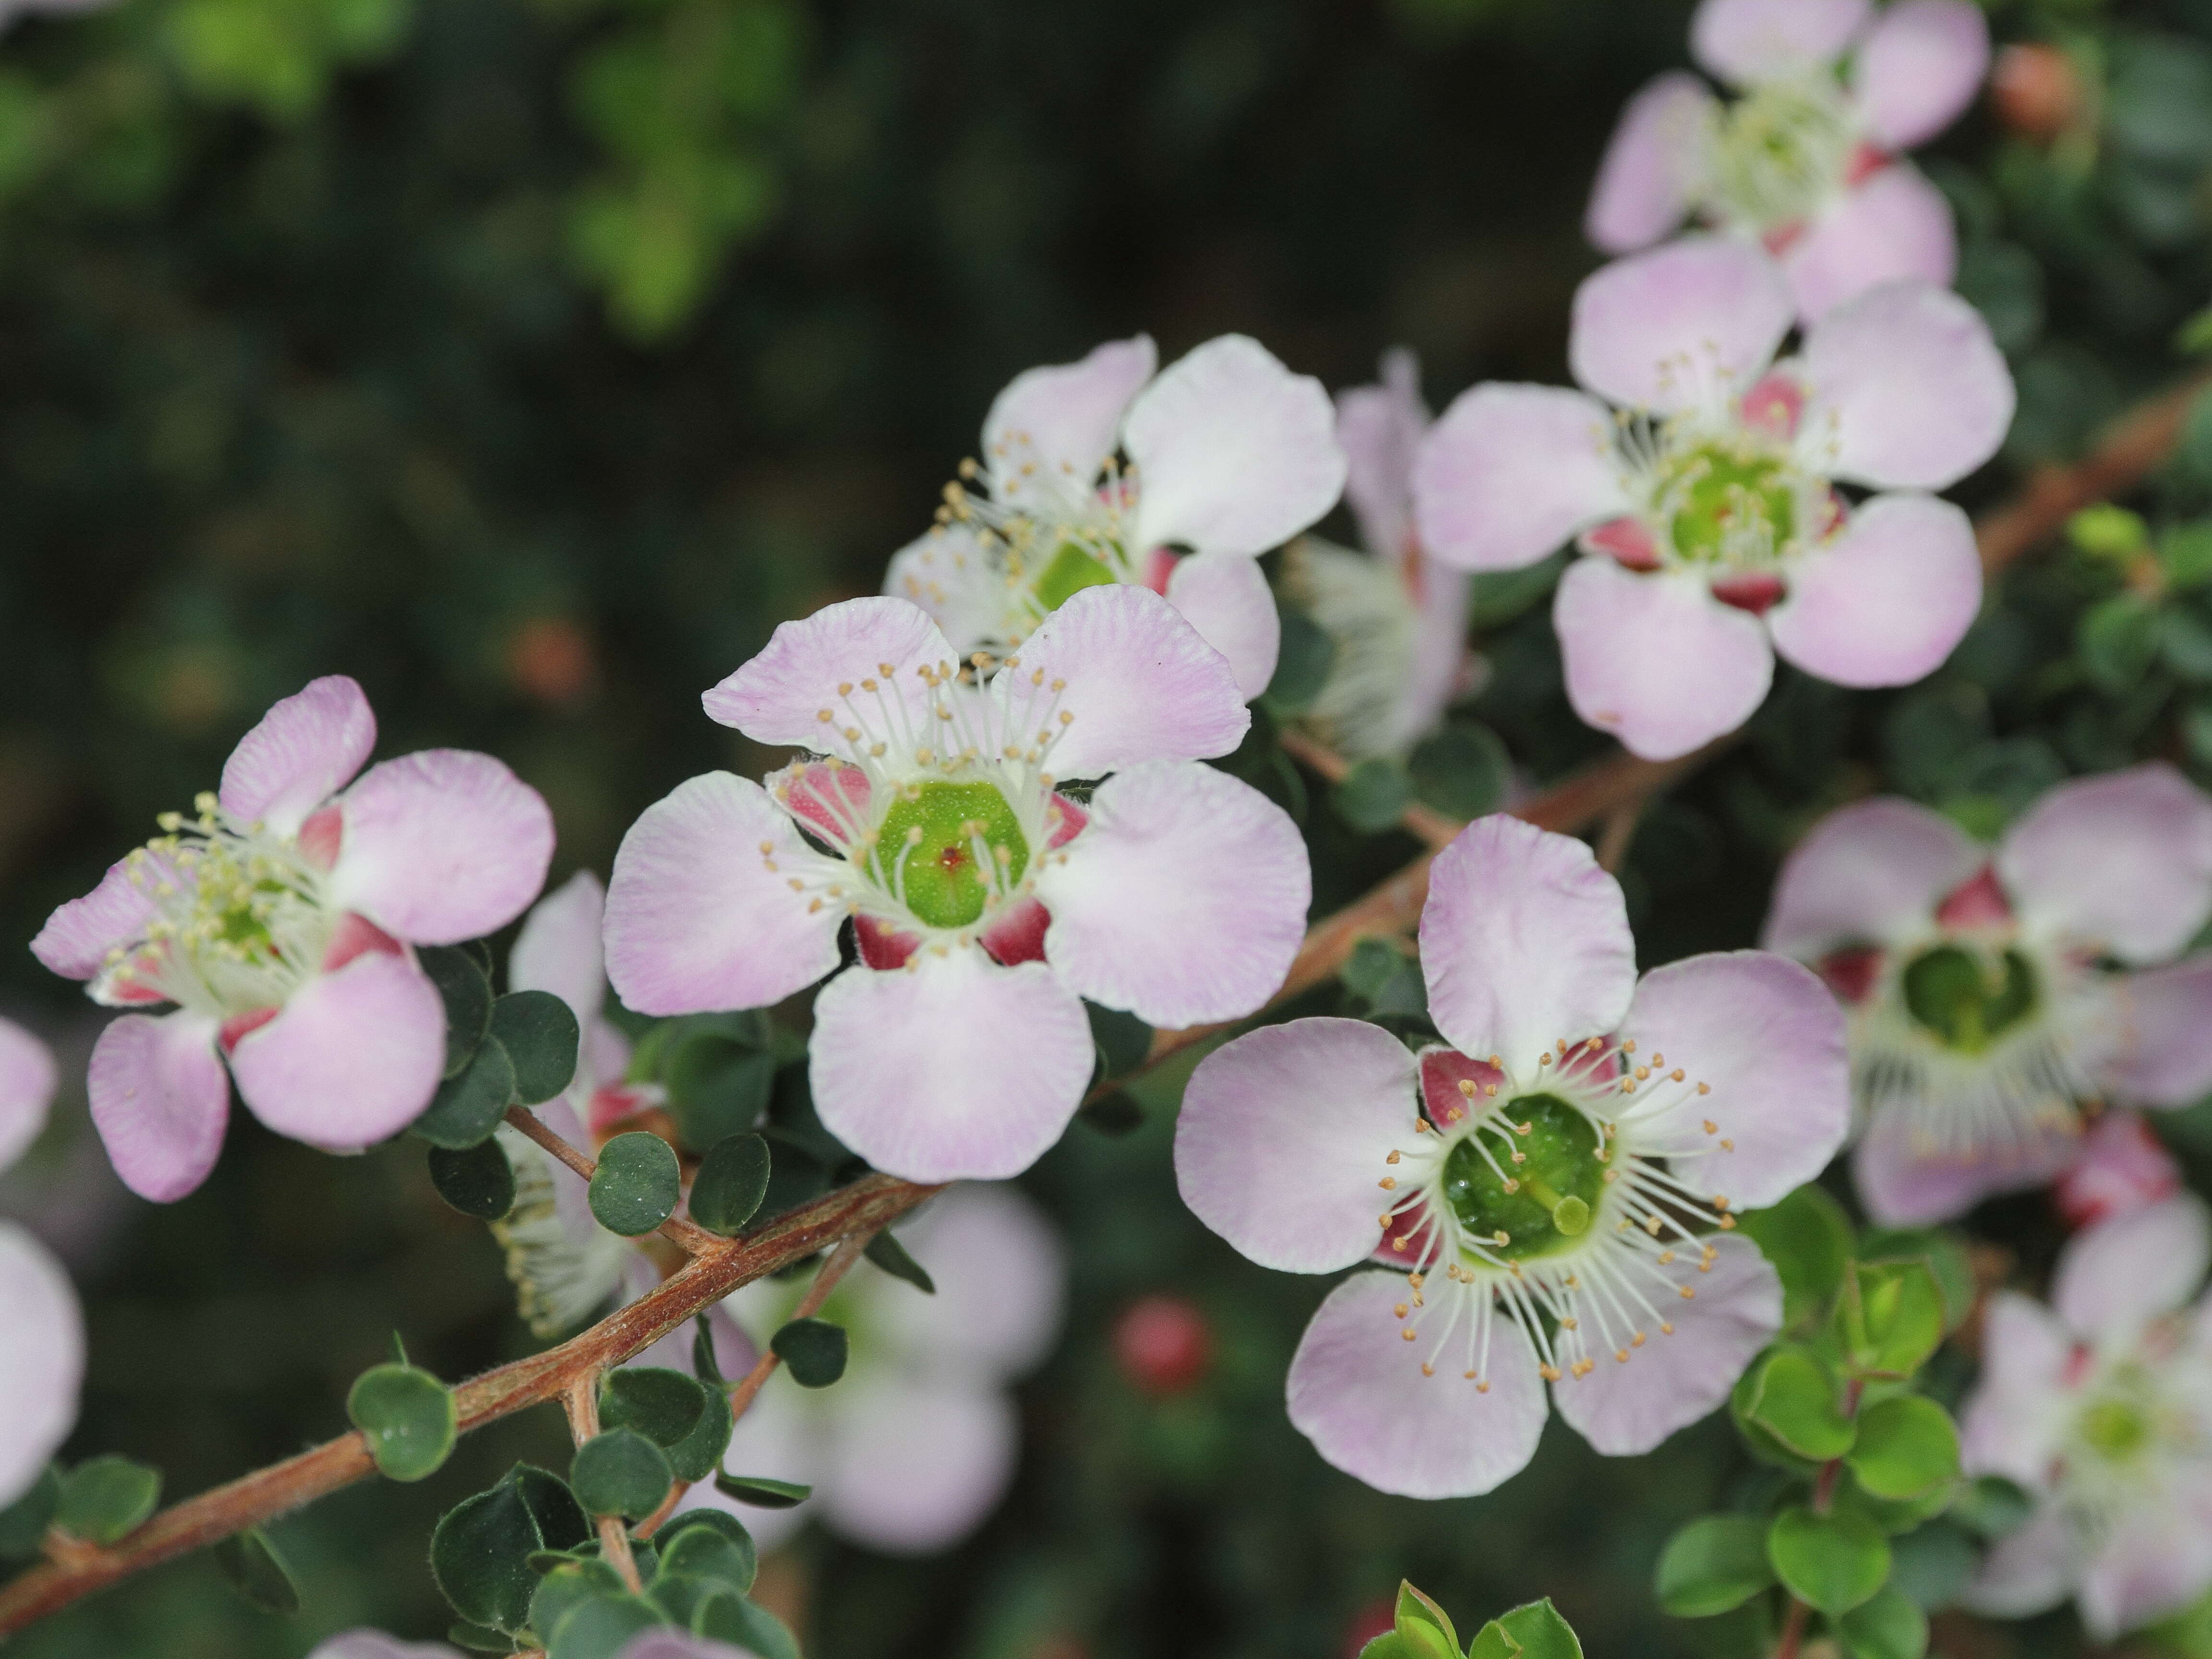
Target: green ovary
(2116, 1430)
(1070, 570)
(929, 840)
(1965, 1001)
(1727, 502)
(1558, 1186)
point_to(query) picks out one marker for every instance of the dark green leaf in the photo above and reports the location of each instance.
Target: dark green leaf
(1123, 1041)
(407, 1418)
(568, 1585)
(887, 1253)
(1713, 1565)
(1462, 770)
(1832, 1562)
(704, 1365)
(1373, 794)
(709, 1554)
(1888, 1627)
(250, 1564)
(601, 1626)
(1794, 1398)
(1116, 1113)
(2117, 639)
(719, 1074)
(2185, 644)
(725, 1617)
(465, 988)
(1302, 667)
(23, 1524)
(762, 1492)
(477, 1638)
(480, 1556)
(1495, 597)
(636, 1185)
(1807, 1238)
(813, 1349)
(731, 1181)
(467, 1109)
(1388, 980)
(663, 1405)
(1891, 1515)
(538, 1031)
(2185, 554)
(477, 1181)
(559, 1518)
(1992, 1506)
(720, 1521)
(107, 1498)
(1906, 1447)
(1933, 1565)
(620, 1472)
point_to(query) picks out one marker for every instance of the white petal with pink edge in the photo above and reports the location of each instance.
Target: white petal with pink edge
(353, 1058)
(1748, 41)
(1656, 660)
(915, 1463)
(160, 1101)
(2114, 1279)
(1183, 901)
(1063, 420)
(1888, 600)
(2121, 863)
(1907, 389)
(1511, 472)
(1647, 178)
(1904, 1185)
(1918, 68)
(27, 1085)
(301, 754)
(1685, 327)
(442, 845)
(1893, 226)
(41, 1363)
(2016, 1414)
(77, 937)
(2165, 1056)
(1226, 598)
(1284, 1134)
(948, 573)
(1869, 873)
(1002, 1278)
(1525, 941)
(952, 1069)
(1379, 428)
(780, 697)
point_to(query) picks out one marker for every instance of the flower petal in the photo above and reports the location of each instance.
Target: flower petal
(78, 935)
(41, 1363)
(1116, 677)
(1524, 941)
(2013, 1416)
(2114, 1279)
(1184, 899)
(1748, 41)
(1511, 472)
(950, 574)
(1226, 598)
(353, 1056)
(367, 1643)
(1886, 601)
(1282, 1134)
(1356, 1391)
(2120, 863)
(559, 948)
(1869, 873)
(1645, 180)
(2027, 1571)
(1768, 1037)
(1624, 1408)
(1918, 68)
(696, 918)
(1902, 1187)
(2165, 1055)
(1234, 453)
(27, 1085)
(1656, 660)
(781, 695)
(301, 754)
(917, 1462)
(1065, 418)
(442, 845)
(951, 1069)
(1379, 428)
(1893, 226)
(1680, 327)
(1002, 1278)
(160, 1100)
(1906, 389)
(2156, 1560)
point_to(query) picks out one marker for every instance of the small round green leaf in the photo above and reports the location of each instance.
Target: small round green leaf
(1712, 1565)
(732, 1179)
(569, 1583)
(708, 1553)
(1992, 1507)
(23, 1524)
(250, 1564)
(1901, 1317)
(663, 1405)
(813, 1349)
(602, 1626)
(1373, 794)
(465, 989)
(480, 1555)
(1794, 1398)
(1888, 1627)
(107, 1498)
(762, 1492)
(1532, 1631)
(1832, 1562)
(742, 1623)
(1907, 1448)
(1807, 1238)
(538, 1031)
(477, 1181)
(636, 1185)
(699, 1454)
(407, 1418)
(622, 1473)
(1463, 771)
(467, 1109)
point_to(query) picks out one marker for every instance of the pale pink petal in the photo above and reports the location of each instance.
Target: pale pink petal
(696, 918)
(1379, 428)
(951, 1069)
(301, 754)
(1918, 68)
(1902, 1186)
(2027, 1571)
(1511, 472)
(160, 1101)
(1356, 1390)
(1768, 1038)
(1063, 419)
(780, 697)
(1226, 598)
(2121, 1166)
(1684, 326)
(1893, 226)
(1184, 899)
(1002, 1278)
(1283, 1135)
(559, 948)
(1647, 179)
(27, 1084)
(1116, 677)
(1886, 601)
(1234, 453)
(2016, 1413)
(2155, 1562)
(1439, 670)
(442, 845)
(353, 1058)
(41, 1363)
(950, 574)
(2166, 1043)
(1656, 660)
(375, 1644)
(1907, 389)
(2115, 1277)
(1867, 873)
(1748, 41)
(1635, 1397)
(77, 937)
(1524, 941)
(916, 1462)
(2121, 863)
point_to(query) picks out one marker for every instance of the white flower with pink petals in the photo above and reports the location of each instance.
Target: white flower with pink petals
(42, 1360)
(1551, 1191)
(985, 903)
(1994, 992)
(1808, 160)
(1701, 479)
(1100, 473)
(2100, 1406)
(279, 921)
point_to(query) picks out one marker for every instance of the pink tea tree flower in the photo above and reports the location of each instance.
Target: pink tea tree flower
(913, 1448)
(1993, 992)
(1398, 619)
(985, 903)
(42, 1360)
(2100, 1406)
(1700, 477)
(279, 922)
(1549, 1192)
(1097, 472)
(1807, 160)
(2120, 1167)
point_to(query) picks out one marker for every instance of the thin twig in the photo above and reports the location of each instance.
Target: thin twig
(694, 1239)
(1424, 822)
(1615, 840)
(581, 1402)
(825, 1281)
(653, 1523)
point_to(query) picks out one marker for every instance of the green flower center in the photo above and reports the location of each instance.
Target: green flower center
(1779, 151)
(1071, 569)
(1556, 1189)
(1967, 1001)
(1727, 502)
(934, 846)
(2116, 1430)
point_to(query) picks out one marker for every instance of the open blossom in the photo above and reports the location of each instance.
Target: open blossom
(42, 1357)
(1705, 497)
(2100, 1406)
(984, 903)
(1993, 992)
(914, 1446)
(279, 921)
(1097, 472)
(1398, 619)
(1551, 1188)
(1807, 160)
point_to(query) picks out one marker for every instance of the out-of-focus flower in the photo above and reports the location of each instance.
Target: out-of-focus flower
(375, 1644)
(42, 1359)
(1555, 1187)
(1807, 159)
(1992, 991)
(1705, 496)
(2120, 1167)
(916, 1444)
(1095, 472)
(987, 905)
(2036, 89)
(552, 661)
(1398, 619)
(2100, 1406)
(279, 921)
(1163, 1343)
